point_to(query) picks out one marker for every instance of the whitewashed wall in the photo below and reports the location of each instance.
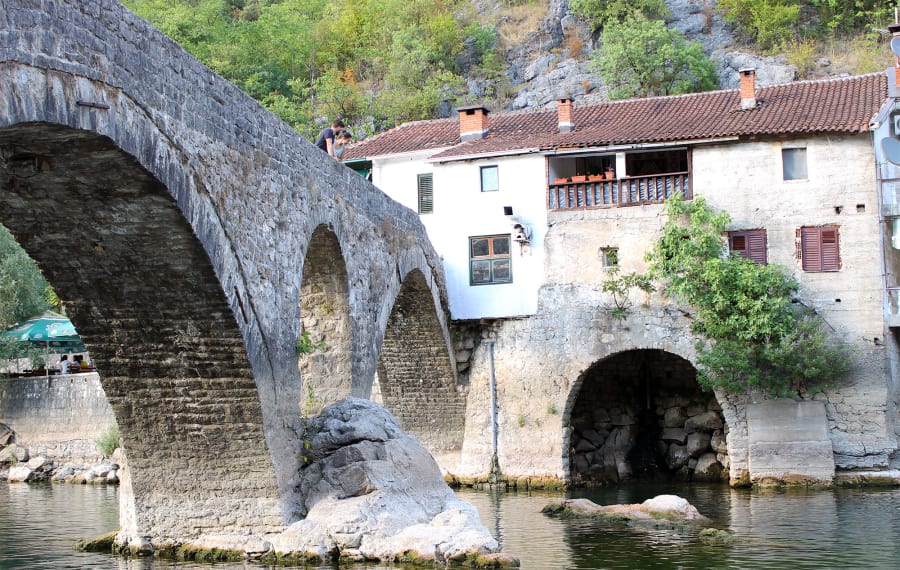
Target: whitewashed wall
(462, 210)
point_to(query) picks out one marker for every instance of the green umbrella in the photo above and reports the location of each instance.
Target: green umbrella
(49, 330)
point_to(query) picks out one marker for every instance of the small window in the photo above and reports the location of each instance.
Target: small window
(426, 199)
(609, 256)
(489, 260)
(794, 163)
(490, 181)
(750, 244)
(819, 248)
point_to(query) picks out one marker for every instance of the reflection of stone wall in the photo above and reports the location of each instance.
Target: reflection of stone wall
(641, 415)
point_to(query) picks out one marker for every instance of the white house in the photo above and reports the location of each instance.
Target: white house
(801, 168)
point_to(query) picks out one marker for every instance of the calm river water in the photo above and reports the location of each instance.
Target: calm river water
(793, 530)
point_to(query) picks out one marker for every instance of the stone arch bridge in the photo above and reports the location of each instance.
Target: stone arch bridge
(184, 227)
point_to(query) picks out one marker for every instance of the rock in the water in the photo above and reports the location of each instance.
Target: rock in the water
(660, 511)
(20, 474)
(372, 492)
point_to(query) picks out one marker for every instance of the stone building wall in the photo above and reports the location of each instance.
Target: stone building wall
(540, 361)
(57, 417)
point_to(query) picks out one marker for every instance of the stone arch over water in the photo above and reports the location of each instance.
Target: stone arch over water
(325, 345)
(173, 216)
(640, 414)
(416, 378)
(141, 291)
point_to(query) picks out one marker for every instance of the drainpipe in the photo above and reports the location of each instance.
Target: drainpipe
(495, 463)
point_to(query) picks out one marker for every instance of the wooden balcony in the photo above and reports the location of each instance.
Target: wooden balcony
(628, 191)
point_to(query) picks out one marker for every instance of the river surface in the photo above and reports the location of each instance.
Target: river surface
(776, 529)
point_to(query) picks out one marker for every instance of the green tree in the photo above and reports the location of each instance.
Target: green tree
(756, 335)
(771, 23)
(24, 292)
(599, 13)
(642, 57)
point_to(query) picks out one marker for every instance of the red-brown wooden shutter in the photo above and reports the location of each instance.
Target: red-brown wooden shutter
(820, 249)
(811, 249)
(756, 246)
(831, 258)
(750, 244)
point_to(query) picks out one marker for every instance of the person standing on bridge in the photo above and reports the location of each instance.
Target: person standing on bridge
(341, 143)
(327, 136)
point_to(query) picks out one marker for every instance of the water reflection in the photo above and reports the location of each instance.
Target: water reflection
(795, 529)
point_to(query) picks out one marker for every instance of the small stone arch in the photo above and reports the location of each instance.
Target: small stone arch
(325, 336)
(640, 414)
(416, 379)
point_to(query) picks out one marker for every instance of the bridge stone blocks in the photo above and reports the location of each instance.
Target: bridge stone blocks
(178, 222)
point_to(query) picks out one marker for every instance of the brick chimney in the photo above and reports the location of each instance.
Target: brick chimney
(895, 40)
(564, 114)
(473, 122)
(748, 88)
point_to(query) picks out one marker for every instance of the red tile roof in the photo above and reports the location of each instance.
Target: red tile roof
(844, 105)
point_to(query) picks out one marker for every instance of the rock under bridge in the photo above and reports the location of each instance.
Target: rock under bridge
(184, 227)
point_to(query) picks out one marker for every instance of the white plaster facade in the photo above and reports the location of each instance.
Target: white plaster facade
(462, 210)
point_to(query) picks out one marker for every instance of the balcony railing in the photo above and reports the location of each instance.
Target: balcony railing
(629, 191)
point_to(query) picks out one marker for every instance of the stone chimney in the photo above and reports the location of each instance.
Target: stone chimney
(748, 88)
(473, 122)
(564, 114)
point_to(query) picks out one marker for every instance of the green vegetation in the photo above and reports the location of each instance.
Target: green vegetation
(757, 337)
(305, 344)
(373, 63)
(642, 57)
(774, 24)
(600, 13)
(619, 289)
(24, 293)
(378, 63)
(108, 440)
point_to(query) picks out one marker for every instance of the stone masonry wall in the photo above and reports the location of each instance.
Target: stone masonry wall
(541, 360)
(57, 417)
(189, 212)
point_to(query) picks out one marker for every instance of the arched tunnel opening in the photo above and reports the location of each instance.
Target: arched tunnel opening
(641, 415)
(415, 377)
(325, 343)
(141, 290)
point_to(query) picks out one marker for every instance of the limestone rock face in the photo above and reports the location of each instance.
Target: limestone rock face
(372, 492)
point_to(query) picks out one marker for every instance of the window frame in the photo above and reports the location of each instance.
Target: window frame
(421, 189)
(816, 254)
(491, 258)
(784, 163)
(496, 170)
(755, 245)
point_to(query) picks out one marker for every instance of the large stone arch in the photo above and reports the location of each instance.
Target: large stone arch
(325, 344)
(209, 165)
(416, 376)
(140, 289)
(641, 414)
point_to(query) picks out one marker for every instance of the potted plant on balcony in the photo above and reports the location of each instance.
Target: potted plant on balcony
(610, 173)
(580, 178)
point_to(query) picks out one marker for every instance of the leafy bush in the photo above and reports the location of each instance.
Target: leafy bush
(108, 440)
(642, 57)
(756, 336)
(600, 13)
(771, 23)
